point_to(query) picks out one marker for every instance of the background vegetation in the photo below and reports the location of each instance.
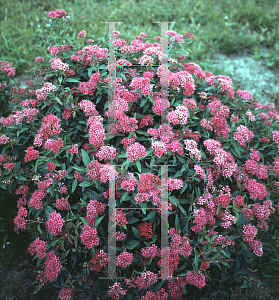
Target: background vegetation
(219, 25)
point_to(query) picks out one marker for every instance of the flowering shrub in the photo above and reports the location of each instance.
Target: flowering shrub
(221, 147)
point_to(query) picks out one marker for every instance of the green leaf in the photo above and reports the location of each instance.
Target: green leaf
(136, 232)
(98, 221)
(73, 79)
(84, 221)
(173, 200)
(75, 183)
(132, 244)
(233, 236)
(177, 223)
(151, 98)
(150, 215)
(85, 157)
(85, 183)
(182, 209)
(138, 165)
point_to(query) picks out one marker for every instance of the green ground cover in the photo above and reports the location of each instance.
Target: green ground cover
(219, 26)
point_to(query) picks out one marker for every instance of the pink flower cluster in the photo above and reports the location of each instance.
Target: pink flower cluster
(196, 279)
(89, 237)
(190, 103)
(129, 185)
(81, 34)
(106, 152)
(36, 199)
(19, 220)
(160, 148)
(57, 64)
(59, 13)
(38, 247)
(88, 88)
(199, 171)
(142, 84)
(145, 280)
(256, 189)
(160, 295)
(99, 261)
(135, 151)
(124, 259)
(3, 139)
(31, 154)
(246, 95)
(191, 146)
(55, 223)
(94, 209)
(116, 291)
(175, 184)
(62, 204)
(7, 68)
(54, 145)
(65, 293)
(206, 124)
(262, 212)
(249, 233)
(42, 93)
(178, 116)
(242, 135)
(73, 149)
(52, 266)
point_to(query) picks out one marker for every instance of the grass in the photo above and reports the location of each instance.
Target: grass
(219, 26)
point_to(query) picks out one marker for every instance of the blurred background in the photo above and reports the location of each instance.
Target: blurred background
(236, 38)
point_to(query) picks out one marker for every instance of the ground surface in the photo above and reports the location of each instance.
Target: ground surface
(18, 271)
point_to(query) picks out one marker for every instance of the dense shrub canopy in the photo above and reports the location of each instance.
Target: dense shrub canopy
(220, 145)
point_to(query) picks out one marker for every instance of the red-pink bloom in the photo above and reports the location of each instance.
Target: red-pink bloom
(124, 259)
(36, 199)
(19, 220)
(135, 151)
(116, 291)
(65, 293)
(89, 237)
(31, 154)
(81, 34)
(62, 204)
(99, 261)
(196, 279)
(55, 223)
(38, 247)
(52, 266)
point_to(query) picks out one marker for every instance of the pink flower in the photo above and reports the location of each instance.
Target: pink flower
(38, 247)
(89, 237)
(31, 154)
(62, 204)
(81, 34)
(116, 291)
(52, 266)
(99, 261)
(196, 279)
(3, 139)
(124, 259)
(106, 152)
(65, 293)
(242, 135)
(55, 223)
(19, 220)
(135, 151)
